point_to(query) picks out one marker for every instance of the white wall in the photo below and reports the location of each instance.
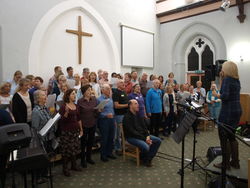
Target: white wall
(235, 35)
(19, 20)
(1, 59)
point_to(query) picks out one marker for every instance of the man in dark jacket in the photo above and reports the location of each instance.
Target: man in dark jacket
(136, 133)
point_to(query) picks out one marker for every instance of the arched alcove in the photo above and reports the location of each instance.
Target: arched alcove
(50, 37)
(186, 36)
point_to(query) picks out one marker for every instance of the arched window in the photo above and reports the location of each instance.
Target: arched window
(193, 60)
(199, 55)
(207, 58)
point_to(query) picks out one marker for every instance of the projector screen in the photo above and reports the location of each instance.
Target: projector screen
(137, 47)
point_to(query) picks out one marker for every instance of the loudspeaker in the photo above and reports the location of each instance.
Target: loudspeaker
(216, 183)
(213, 152)
(218, 66)
(14, 136)
(210, 73)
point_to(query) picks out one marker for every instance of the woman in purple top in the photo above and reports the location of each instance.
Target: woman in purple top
(88, 114)
(71, 129)
(136, 94)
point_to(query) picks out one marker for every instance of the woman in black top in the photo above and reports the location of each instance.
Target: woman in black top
(22, 103)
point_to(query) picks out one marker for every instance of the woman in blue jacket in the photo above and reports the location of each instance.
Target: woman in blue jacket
(230, 114)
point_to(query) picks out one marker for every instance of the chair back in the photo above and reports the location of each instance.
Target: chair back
(123, 137)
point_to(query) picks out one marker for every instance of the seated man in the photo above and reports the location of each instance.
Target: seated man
(136, 133)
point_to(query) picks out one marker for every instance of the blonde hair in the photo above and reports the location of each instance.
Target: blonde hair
(3, 86)
(21, 83)
(230, 69)
(213, 84)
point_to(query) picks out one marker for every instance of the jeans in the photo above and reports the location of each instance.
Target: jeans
(118, 119)
(107, 130)
(214, 111)
(147, 151)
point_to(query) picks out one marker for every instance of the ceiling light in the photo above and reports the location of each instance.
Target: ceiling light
(225, 5)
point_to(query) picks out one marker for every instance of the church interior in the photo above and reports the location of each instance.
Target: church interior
(189, 38)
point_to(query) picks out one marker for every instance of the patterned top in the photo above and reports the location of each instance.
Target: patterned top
(230, 96)
(40, 116)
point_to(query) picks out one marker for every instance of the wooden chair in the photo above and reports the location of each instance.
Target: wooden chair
(128, 149)
(203, 123)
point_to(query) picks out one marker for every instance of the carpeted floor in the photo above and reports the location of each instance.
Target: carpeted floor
(118, 173)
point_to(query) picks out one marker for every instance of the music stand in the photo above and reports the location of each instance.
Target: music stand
(13, 137)
(179, 136)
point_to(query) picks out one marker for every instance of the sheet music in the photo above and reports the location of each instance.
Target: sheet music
(101, 105)
(14, 154)
(51, 99)
(49, 124)
(196, 105)
(246, 139)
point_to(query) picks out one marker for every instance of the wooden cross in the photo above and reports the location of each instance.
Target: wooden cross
(79, 33)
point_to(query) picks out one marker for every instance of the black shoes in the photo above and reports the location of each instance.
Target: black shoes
(90, 161)
(104, 159)
(84, 164)
(148, 163)
(111, 156)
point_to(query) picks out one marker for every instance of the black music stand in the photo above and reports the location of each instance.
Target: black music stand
(13, 137)
(194, 162)
(179, 136)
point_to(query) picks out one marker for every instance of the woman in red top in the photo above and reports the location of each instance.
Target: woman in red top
(71, 129)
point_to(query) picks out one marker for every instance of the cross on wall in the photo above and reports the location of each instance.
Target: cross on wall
(80, 34)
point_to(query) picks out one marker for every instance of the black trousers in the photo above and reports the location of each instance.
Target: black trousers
(87, 142)
(3, 161)
(225, 139)
(170, 123)
(155, 122)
